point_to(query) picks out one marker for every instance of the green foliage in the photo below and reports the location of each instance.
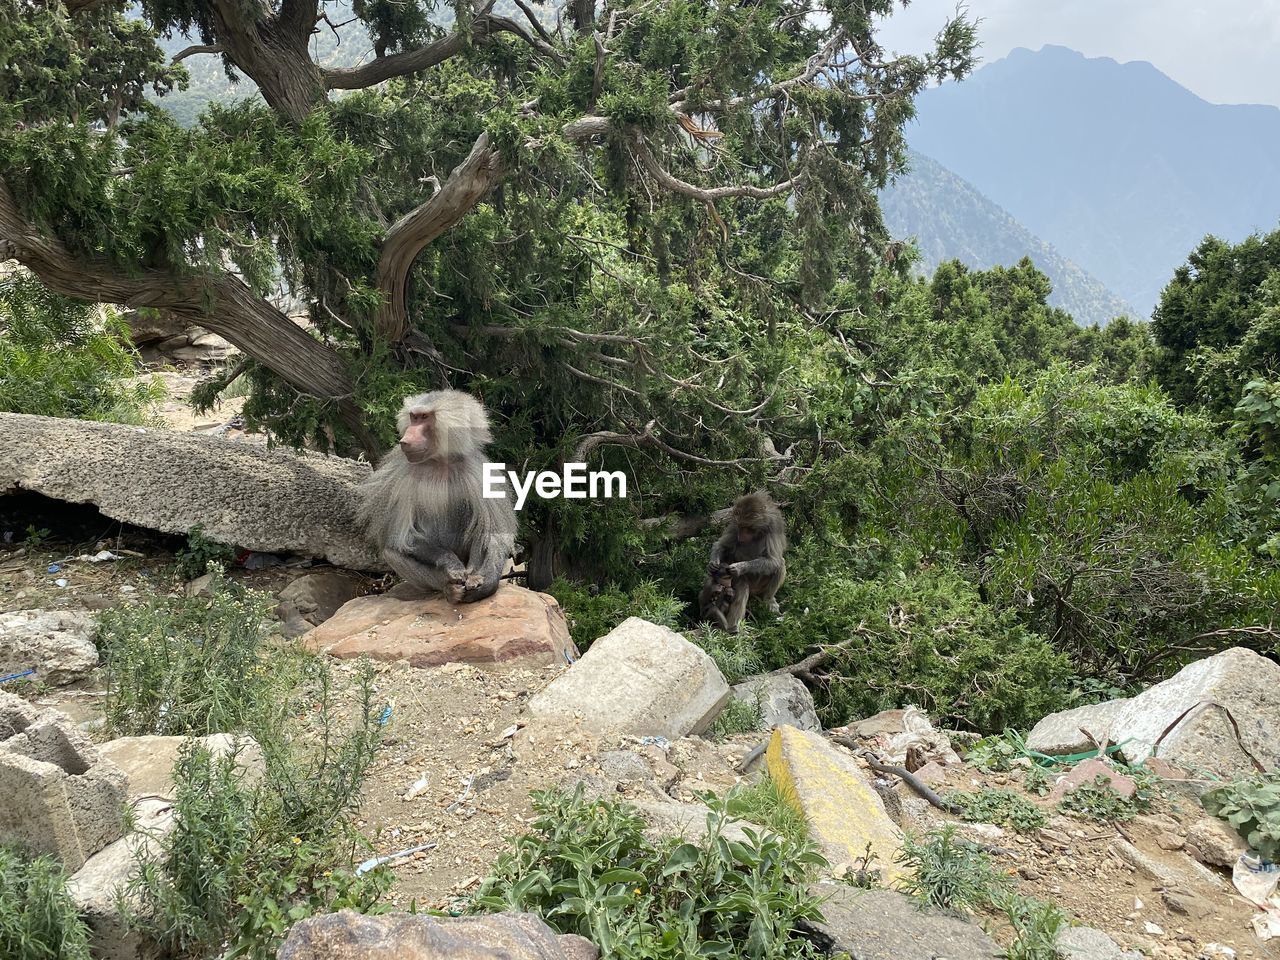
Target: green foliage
(1036, 926)
(193, 665)
(738, 716)
(193, 560)
(736, 654)
(998, 753)
(766, 802)
(948, 872)
(38, 918)
(931, 635)
(1001, 807)
(588, 869)
(65, 358)
(1251, 805)
(1100, 802)
(594, 612)
(250, 855)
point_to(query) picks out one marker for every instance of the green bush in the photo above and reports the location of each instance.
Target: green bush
(38, 920)
(1252, 806)
(948, 872)
(1036, 926)
(250, 855)
(592, 613)
(193, 560)
(1004, 808)
(193, 665)
(588, 869)
(766, 803)
(64, 358)
(1099, 801)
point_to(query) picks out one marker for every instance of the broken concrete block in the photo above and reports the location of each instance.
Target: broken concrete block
(60, 796)
(886, 925)
(844, 811)
(148, 761)
(1193, 705)
(783, 701)
(16, 714)
(639, 680)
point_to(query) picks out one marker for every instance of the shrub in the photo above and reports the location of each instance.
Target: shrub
(1001, 807)
(1252, 806)
(766, 802)
(193, 560)
(1099, 801)
(588, 869)
(735, 654)
(249, 856)
(38, 920)
(593, 613)
(63, 358)
(948, 872)
(193, 665)
(1036, 926)
(738, 716)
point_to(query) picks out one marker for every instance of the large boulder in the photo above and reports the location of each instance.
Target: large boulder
(315, 597)
(1216, 716)
(783, 701)
(844, 811)
(347, 935)
(426, 630)
(884, 925)
(57, 643)
(639, 680)
(262, 499)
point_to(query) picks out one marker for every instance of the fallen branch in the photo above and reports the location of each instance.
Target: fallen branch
(906, 776)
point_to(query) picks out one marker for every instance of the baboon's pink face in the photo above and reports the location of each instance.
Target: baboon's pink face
(420, 441)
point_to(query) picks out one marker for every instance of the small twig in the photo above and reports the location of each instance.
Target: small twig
(906, 776)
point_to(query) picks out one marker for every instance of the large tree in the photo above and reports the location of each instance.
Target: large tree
(616, 222)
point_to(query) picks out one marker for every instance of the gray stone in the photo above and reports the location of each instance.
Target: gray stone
(782, 698)
(315, 597)
(1195, 702)
(57, 643)
(638, 680)
(1086, 943)
(272, 501)
(16, 714)
(623, 766)
(97, 886)
(59, 796)
(884, 925)
(347, 935)
(1212, 842)
(148, 761)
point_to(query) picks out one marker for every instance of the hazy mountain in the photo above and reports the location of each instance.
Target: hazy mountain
(1116, 165)
(951, 220)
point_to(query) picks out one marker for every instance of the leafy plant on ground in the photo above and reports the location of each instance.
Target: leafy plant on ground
(948, 872)
(38, 919)
(1001, 807)
(252, 853)
(766, 803)
(594, 612)
(193, 665)
(587, 868)
(66, 358)
(1251, 806)
(736, 654)
(1036, 926)
(999, 752)
(1036, 780)
(1101, 802)
(738, 716)
(193, 560)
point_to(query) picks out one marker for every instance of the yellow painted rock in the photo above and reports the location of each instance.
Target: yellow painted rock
(842, 807)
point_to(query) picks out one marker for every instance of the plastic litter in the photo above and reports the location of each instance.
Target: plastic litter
(55, 568)
(417, 788)
(61, 581)
(1258, 881)
(15, 676)
(384, 716)
(374, 862)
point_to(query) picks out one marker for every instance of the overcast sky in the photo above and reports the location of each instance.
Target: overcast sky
(1227, 51)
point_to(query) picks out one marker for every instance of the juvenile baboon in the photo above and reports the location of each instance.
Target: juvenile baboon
(752, 548)
(716, 596)
(424, 506)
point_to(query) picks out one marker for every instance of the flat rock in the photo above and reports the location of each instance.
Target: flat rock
(97, 886)
(1195, 703)
(1086, 772)
(885, 925)
(347, 935)
(426, 630)
(315, 597)
(148, 761)
(268, 500)
(782, 698)
(57, 643)
(638, 680)
(844, 811)
(1086, 943)
(1212, 842)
